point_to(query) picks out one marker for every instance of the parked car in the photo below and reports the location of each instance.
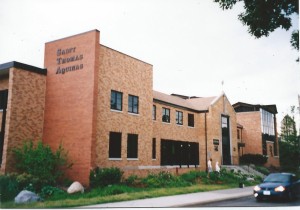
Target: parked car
(278, 186)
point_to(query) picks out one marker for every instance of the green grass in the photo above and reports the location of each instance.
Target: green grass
(95, 197)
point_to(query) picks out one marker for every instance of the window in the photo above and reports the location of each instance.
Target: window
(154, 112)
(191, 120)
(165, 115)
(179, 118)
(153, 148)
(116, 100)
(115, 145)
(179, 152)
(133, 104)
(238, 134)
(132, 146)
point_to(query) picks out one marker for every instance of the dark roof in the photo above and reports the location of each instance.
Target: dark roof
(4, 67)
(244, 107)
(191, 103)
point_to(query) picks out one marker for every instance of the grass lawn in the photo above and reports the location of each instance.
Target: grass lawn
(95, 197)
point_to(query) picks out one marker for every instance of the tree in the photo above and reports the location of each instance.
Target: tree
(264, 16)
(289, 145)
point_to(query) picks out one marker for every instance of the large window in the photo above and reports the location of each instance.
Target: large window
(267, 122)
(132, 146)
(154, 112)
(179, 153)
(179, 118)
(268, 130)
(165, 115)
(191, 122)
(116, 100)
(133, 104)
(115, 145)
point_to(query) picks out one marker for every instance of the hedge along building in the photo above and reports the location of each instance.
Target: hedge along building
(100, 105)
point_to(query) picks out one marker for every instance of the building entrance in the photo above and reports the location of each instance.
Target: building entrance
(226, 141)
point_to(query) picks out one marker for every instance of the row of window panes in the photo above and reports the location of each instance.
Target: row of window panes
(267, 122)
(115, 145)
(179, 116)
(116, 102)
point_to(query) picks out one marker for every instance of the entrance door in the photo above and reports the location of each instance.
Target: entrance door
(3, 105)
(226, 141)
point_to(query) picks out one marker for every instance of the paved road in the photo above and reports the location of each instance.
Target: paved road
(248, 201)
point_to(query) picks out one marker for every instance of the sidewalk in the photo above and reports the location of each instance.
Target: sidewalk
(181, 200)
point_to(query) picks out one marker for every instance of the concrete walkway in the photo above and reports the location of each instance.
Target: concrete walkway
(181, 200)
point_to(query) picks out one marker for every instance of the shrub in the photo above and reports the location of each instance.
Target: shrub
(105, 176)
(49, 191)
(164, 179)
(256, 159)
(262, 170)
(39, 161)
(131, 180)
(8, 187)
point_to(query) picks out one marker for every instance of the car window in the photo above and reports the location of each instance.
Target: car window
(278, 178)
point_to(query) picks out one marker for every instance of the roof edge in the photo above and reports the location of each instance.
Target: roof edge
(23, 66)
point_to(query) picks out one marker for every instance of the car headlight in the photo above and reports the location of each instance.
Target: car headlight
(257, 188)
(279, 189)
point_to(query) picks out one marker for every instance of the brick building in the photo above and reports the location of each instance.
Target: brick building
(259, 130)
(100, 105)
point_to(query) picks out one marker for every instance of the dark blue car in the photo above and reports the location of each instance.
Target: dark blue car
(279, 186)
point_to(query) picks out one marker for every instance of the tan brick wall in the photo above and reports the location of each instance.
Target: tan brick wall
(70, 111)
(172, 131)
(214, 130)
(25, 112)
(4, 83)
(252, 137)
(272, 160)
(128, 75)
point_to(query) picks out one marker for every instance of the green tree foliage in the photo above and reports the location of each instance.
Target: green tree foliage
(39, 161)
(264, 16)
(289, 146)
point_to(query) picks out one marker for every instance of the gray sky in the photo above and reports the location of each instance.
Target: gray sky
(193, 45)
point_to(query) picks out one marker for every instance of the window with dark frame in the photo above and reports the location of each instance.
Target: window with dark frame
(179, 118)
(116, 100)
(154, 148)
(165, 115)
(132, 146)
(133, 104)
(154, 112)
(191, 122)
(114, 145)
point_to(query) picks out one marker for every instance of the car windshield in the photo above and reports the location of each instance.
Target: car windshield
(277, 178)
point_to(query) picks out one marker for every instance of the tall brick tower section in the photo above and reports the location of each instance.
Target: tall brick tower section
(71, 99)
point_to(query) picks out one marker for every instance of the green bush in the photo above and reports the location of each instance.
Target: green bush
(49, 191)
(39, 161)
(105, 176)
(164, 179)
(131, 180)
(8, 187)
(262, 170)
(256, 159)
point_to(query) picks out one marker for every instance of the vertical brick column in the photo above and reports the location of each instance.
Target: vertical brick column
(70, 109)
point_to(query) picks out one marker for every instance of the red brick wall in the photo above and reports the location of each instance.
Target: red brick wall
(71, 99)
